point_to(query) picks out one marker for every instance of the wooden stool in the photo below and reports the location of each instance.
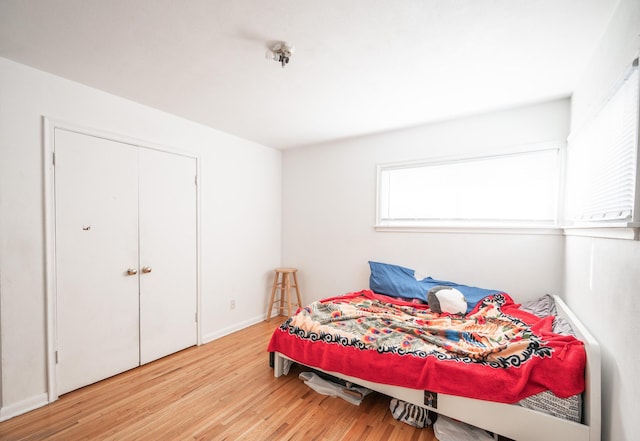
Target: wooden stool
(282, 281)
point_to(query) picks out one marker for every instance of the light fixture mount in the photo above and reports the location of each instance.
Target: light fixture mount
(281, 52)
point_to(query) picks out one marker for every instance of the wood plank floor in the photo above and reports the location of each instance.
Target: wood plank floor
(223, 390)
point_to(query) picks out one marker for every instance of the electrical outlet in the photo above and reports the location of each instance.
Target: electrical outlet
(232, 304)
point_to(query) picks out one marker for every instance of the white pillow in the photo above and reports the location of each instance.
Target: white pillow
(443, 299)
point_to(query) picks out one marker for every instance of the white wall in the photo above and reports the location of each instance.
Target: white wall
(329, 194)
(602, 279)
(240, 232)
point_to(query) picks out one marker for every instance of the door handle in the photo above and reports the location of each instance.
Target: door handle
(132, 271)
(146, 269)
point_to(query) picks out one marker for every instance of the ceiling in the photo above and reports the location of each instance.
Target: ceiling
(359, 66)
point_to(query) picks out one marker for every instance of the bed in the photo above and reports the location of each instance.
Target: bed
(452, 364)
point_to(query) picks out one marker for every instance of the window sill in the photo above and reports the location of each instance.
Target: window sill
(619, 230)
(472, 229)
(625, 231)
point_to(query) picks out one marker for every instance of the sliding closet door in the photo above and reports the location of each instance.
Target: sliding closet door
(96, 233)
(168, 259)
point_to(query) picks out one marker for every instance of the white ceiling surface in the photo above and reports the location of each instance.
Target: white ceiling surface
(359, 66)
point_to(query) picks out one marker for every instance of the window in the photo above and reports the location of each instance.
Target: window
(602, 160)
(514, 189)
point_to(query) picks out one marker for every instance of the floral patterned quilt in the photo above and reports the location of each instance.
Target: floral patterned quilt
(497, 352)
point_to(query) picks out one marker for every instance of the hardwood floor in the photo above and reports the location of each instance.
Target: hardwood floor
(223, 390)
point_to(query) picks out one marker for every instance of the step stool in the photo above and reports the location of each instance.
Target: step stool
(282, 283)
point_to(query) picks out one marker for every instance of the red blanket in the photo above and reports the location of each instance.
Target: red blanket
(497, 352)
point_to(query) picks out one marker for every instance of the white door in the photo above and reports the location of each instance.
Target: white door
(126, 262)
(168, 258)
(96, 233)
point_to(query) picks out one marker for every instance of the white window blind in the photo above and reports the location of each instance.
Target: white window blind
(518, 188)
(602, 159)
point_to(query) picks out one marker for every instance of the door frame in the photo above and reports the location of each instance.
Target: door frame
(49, 125)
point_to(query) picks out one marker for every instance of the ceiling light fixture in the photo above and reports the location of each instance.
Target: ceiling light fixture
(281, 52)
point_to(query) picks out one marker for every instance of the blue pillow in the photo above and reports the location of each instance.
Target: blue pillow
(398, 281)
(395, 281)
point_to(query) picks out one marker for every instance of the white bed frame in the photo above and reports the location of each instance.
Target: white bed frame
(509, 420)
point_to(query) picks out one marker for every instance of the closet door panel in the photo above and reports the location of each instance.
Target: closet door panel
(96, 233)
(168, 252)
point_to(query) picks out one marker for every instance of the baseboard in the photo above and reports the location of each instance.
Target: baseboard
(233, 328)
(24, 406)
